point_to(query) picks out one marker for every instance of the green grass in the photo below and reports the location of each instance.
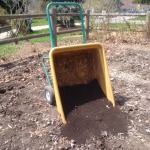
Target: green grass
(40, 31)
(41, 39)
(47, 38)
(39, 22)
(125, 25)
(8, 49)
(139, 18)
(12, 48)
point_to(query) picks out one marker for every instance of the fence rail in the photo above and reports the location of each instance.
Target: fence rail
(17, 16)
(16, 39)
(118, 14)
(87, 20)
(5, 28)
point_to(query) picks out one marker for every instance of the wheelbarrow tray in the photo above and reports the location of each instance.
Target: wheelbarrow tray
(79, 64)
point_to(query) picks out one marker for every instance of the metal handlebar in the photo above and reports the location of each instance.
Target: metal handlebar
(50, 24)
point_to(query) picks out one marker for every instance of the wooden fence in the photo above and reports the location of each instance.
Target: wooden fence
(53, 15)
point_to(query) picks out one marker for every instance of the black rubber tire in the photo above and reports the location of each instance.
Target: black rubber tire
(49, 95)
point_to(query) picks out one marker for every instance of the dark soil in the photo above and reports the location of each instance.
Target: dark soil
(91, 113)
(27, 122)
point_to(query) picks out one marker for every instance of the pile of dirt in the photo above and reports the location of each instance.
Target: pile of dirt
(89, 113)
(28, 122)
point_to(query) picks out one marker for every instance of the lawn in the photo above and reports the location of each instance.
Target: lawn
(12, 48)
(121, 26)
(125, 25)
(139, 18)
(47, 38)
(39, 22)
(8, 49)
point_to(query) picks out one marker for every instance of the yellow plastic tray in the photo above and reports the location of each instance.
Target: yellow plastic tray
(79, 64)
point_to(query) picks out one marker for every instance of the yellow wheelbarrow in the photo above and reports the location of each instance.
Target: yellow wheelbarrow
(75, 65)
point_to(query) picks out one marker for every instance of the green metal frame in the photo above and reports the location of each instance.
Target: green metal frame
(50, 24)
(51, 30)
(45, 69)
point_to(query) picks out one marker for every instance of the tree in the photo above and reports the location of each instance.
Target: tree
(17, 7)
(14, 6)
(77, 1)
(42, 3)
(99, 5)
(65, 20)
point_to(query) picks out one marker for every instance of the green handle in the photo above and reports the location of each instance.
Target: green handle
(50, 24)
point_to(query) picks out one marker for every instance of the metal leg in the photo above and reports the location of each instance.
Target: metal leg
(45, 69)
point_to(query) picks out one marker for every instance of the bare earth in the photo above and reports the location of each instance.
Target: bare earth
(27, 122)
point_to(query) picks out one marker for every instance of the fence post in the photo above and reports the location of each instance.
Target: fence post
(87, 22)
(54, 24)
(148, 24)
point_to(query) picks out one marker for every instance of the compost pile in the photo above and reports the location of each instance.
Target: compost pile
(89, 113)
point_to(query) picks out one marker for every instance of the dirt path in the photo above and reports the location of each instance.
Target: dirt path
(28, 122)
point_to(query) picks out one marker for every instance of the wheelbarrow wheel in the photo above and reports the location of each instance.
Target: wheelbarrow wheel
(49, 95)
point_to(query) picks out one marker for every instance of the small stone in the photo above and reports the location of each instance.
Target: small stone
(99, 143)
(68, 146)
(104, 134)
(10, 87)
(130, 109)
(21, 87)
(147, 121)
(2, 90)
(48, 123)
(55, 143)
(53, 121)
(38, 77)
(26, 70)
(39, 55)
(107, 106)
(148, 130)
(72, 143)
(18, 113)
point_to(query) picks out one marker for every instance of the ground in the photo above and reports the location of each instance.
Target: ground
(28, 122)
